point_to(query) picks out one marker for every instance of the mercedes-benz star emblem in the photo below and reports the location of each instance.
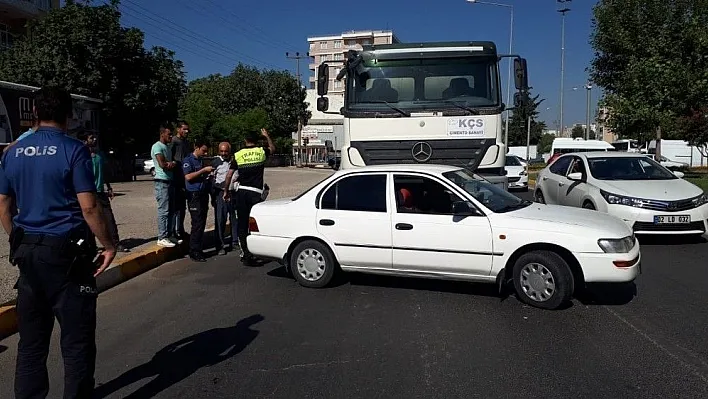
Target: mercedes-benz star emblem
(422, 151)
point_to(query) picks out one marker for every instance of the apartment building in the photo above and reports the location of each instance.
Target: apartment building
(332, 48)
(605, 132)
(14, 15)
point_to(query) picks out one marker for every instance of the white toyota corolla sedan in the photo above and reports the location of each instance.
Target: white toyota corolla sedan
(441, 222)
(647, 196)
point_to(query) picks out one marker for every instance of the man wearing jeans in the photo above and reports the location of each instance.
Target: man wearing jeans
(164, 189)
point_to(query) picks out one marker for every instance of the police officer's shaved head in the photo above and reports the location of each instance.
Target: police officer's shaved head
(53, 105)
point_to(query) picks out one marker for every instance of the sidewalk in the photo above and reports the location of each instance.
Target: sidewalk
(136, 214)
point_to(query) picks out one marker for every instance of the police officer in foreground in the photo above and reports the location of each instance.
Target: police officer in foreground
(49, 177)
(250, 163)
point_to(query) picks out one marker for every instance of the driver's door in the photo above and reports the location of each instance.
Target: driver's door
(426, 235)
(572, 192)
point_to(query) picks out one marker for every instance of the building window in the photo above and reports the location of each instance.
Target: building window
(350, 43)
(6, 38)
(337, 84)
(338, 57)
(337, 44)
(323, 45)
(366, 41)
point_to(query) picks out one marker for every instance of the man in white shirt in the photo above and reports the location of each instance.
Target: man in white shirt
(223, 209)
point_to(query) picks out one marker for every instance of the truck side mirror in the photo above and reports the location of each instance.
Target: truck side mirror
(521, 78)
(322, 80)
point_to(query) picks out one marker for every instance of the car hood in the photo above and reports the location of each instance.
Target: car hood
(513, 170)
(558, 218)
(669, 190)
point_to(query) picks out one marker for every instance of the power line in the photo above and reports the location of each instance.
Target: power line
(287, 45)
(191, 51)
(197, 36)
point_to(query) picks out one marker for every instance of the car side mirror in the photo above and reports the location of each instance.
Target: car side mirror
(575, 176)
(463, 208)
(322, 79)
(678, 174)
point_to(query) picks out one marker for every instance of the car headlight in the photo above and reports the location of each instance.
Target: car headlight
(615, 199)
(700, 200)
(617, 245)
(522, 173)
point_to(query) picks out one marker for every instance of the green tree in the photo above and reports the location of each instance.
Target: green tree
(519, 122)
(226, 107)
(649, 60)
(578, 131)
(545, 143)
(84, 49)
(695, 128)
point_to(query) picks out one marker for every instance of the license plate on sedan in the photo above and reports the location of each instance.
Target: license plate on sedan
(672, 219)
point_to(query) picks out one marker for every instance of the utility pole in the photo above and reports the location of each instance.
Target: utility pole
(588, 87)
(528, 139)
(297, 57)
(563, 11)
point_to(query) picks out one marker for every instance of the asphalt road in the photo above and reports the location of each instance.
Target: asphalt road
(221, 330)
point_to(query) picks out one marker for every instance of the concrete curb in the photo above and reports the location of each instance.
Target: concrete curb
(120, 271)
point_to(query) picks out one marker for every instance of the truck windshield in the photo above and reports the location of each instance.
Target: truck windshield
(424, 85)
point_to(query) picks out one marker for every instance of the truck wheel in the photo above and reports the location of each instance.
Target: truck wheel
(543, 279)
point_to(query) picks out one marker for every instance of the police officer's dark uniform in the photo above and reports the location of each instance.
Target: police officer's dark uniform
(50, 244)
(250, 162)
(197, 191)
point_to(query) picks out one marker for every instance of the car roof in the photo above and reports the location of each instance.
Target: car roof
(429, 168)
(613, 154)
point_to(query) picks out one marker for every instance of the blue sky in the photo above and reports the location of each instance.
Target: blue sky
(210, 36)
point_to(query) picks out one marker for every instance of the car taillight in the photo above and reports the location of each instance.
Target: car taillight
(252, 225)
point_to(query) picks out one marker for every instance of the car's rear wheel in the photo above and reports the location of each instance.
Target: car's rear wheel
(543, 279)
(313, 264)
(538, 196)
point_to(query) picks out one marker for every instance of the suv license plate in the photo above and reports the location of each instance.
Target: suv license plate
(672, 219)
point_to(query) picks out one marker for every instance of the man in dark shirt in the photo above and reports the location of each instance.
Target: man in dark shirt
(195, 176)
(180, 150)
(250, 162)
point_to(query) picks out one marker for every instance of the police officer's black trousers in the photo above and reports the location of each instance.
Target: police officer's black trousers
(198, 208)
(50, 287)
(245, 199)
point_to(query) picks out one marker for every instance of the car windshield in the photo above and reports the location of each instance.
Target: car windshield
(512, 161)
(628, 168)
(491, 196)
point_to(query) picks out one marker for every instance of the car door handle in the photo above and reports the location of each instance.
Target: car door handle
(561, 184)
(404, 226)
(544, 178)
(327, 222)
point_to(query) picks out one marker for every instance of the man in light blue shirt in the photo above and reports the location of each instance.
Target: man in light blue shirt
(35, 126)
(164, 189)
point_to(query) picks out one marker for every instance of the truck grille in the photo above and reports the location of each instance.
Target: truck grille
(462, 152)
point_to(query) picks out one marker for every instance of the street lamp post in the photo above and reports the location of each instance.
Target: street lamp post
(588, 88)
(511, 48)
(563, 11)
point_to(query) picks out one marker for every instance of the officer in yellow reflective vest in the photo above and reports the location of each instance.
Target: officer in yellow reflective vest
(250, 163)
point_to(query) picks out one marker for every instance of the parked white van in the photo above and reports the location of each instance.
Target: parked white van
(565, 145)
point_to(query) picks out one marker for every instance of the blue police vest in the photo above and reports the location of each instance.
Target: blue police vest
(44, 173)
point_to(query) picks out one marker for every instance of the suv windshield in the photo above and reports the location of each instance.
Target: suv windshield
(424, 84)
(628, 168)
(491, 196)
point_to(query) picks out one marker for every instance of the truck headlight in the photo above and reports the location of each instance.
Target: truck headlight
(617, 245)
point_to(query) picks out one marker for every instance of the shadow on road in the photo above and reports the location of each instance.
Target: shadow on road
(607, 294)
(183, 358)
(136, 242)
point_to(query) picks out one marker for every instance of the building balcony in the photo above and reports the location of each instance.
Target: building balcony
(25, 9)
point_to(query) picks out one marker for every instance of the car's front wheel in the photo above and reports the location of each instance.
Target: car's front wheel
(313, 264)
(152, 172)
(538, 196)
(543, 279)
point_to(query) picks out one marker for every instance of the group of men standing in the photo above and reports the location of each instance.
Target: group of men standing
(182, 182)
